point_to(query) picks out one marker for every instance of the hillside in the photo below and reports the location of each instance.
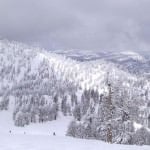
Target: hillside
(44, 86)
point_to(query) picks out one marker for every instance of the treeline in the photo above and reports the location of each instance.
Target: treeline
(110, 117)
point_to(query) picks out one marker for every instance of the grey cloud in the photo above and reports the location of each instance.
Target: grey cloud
(77, 24)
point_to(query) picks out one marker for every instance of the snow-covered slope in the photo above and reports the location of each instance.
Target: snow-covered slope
(40, 137)
(48, 142)
(45, 86)
(27, 70)
(19, 63)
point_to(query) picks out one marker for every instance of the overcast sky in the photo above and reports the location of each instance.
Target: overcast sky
(77, 24)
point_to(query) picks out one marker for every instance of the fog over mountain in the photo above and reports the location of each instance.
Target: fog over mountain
(73, 24)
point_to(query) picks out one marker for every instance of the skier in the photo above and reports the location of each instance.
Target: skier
(54, 133)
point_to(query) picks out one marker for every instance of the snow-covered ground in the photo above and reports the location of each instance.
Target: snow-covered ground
(40, 137)
(47, 142)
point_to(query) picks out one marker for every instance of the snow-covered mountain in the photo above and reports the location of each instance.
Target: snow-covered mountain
(45, 85)
(20, 63)
(134, 62)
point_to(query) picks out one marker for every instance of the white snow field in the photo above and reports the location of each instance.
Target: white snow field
(40, 137)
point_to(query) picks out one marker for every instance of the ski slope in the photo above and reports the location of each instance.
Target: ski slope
(40, 137)
(45, 142)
